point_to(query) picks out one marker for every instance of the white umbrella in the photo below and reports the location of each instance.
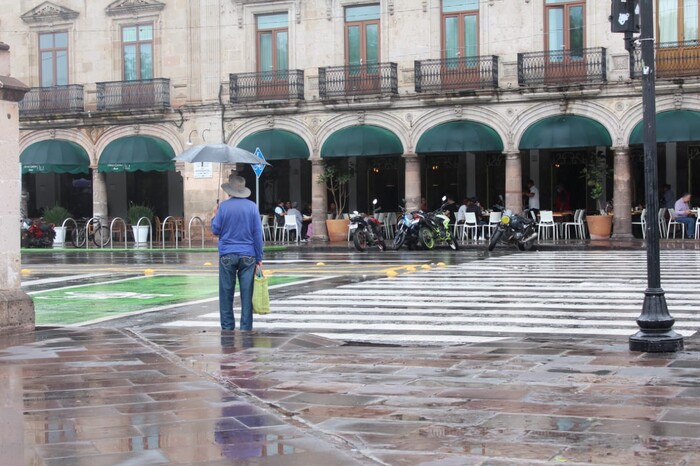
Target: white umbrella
(218, 153)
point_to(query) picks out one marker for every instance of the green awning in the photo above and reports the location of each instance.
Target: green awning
(363, 140)
(459, 136)
(565, 132)
(134, 153)
(673, 126)
(276, 144)
(54, 156)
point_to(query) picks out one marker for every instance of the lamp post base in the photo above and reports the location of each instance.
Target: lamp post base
(650, 341)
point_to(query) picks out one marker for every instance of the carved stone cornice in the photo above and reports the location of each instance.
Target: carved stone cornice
(133, 7)
(48, 13)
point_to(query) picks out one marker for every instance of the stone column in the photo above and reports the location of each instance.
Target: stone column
(514, 182)
(412, 181)
(16, 308)
(319, 202)
(622, 194)
(99, 193)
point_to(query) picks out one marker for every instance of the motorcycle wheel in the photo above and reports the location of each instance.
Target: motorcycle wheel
(77, 237)
(494, 239)
(360, 240)
(453, 243)
(526, 246)
(101, 237)
(399, 239)
(426, 238)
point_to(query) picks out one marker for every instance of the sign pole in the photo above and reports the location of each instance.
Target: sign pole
(258, 169)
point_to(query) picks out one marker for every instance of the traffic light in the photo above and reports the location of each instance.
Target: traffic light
(625, 16)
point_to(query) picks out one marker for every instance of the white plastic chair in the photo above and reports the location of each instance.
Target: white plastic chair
(267, 231)
(576, 224)
(642, 223)
(470, 223)
(290, 223)
(459, 223)
(672, 223)
(390, 224)
(697, 224)
(494, 220)
(278, 228)
(662, 222)
(546, 222)
(381, 216)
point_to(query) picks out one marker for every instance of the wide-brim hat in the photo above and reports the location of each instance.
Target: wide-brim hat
(235, 187)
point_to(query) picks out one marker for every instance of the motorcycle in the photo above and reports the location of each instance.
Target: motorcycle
(37, 234)
(438, 222)
(514, 229)
(408, 229)
(368, 230)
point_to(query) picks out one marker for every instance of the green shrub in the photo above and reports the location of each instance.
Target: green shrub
(56, 215)
(137, 211)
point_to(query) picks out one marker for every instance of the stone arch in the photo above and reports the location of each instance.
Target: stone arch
(481, 115)
(156, 131)
(596, 112)
(383, 120)
(261, 124)
(72, 135)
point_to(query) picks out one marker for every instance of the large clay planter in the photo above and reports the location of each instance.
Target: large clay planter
(338, 229)
(599, 226)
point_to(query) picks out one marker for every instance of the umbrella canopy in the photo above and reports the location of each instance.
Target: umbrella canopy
(218, 153)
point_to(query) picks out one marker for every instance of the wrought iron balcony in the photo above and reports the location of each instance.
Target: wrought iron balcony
(266, 85)
(357, 80)
(562, 67)
(456, 74)
(52, 100)
(133, 95)
(673, 60)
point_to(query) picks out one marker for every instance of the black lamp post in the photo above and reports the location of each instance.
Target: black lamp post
(655, 323)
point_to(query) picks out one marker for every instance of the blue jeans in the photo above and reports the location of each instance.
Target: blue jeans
(230, 267)
(689, 225)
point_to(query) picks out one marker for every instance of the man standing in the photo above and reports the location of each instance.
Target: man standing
(533, 193)
(237, 224)
(682, 214)
(667, 197)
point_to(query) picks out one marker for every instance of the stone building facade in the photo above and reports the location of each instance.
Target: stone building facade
(423, 97)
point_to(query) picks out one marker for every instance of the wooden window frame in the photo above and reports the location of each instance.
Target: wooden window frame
(460, 15)
(567, 25)
(274, 32)
(680, 24)
(138, 42)
(54, 61)
(363, 40)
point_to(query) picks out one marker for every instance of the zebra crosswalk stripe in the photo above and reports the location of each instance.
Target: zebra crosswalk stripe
(575, 293)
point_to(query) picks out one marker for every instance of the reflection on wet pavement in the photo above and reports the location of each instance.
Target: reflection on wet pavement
(182, 396)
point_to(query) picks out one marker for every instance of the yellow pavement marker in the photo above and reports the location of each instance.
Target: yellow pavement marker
(149, 272)
(26, 272)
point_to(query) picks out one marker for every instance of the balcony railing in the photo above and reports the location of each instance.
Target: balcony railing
(133, 95)
(52, 100)
(673, 60)
(357, 80)
(562, 67)
(266, 85)
(456, 74)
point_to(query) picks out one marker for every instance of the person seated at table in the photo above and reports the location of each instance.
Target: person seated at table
(463, 208)
(451, 208)
(297, 215)
(682, 214)
(280, 212)
(306, 221)
(474, 207)
(562, 199)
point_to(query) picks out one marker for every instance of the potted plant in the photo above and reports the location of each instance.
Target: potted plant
(56, 215)
(336, 176)
(596, 173)
(141, 230)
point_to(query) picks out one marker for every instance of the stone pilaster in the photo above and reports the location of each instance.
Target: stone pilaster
(514, 182)
(412, 177)
(16, 308)
(622, 194)
(319, 202)
(99, 193)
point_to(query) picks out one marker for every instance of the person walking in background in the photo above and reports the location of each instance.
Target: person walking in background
(682, 214)
(562, 199)
(237, 224)
(533, 203)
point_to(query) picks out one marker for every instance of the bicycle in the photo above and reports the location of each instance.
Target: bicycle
(98, 234)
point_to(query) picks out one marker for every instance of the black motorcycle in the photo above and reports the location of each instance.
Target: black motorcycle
(368, 230)
(37, 234)
(514, 229)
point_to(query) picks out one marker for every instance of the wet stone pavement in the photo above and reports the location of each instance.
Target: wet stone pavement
(184, 396)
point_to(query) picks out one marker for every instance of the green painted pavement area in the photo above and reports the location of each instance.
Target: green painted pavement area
(84, 303)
